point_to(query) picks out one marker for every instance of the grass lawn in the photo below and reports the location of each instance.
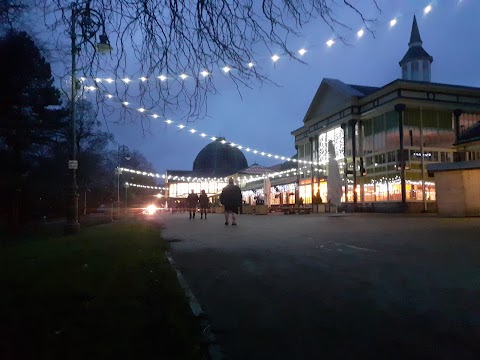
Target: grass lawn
(107, 292)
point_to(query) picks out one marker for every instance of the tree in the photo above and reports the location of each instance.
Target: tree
(171, 37)
(30, 114)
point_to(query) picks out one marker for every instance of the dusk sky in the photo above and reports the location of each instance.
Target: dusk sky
(267, 114)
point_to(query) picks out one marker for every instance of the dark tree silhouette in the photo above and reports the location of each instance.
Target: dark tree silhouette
(30, 115)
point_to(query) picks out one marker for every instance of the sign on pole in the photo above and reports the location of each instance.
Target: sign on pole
(73, 164)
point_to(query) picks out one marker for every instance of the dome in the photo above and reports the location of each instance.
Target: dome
(217, 159)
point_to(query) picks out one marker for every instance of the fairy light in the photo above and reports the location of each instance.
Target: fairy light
(203, 134)
(275, 58)
(146, 186)
(204, 73)
(251, 64)
(360, 33)
(168, 121)
(141, 110)
(427, 9)
(181, 126)
(393, 22)
(99, 80)
(126, 80)
(193, 131)
(226, 69)
(162, 77)
(213, 138)
(109, 80)
(125, 103)
(183, 76)
(155, 116)
(143, 79)
(110, 96)
(302, 52)
(330, 42)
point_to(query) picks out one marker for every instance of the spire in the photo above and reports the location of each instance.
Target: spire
(415, 39)
(416, 62)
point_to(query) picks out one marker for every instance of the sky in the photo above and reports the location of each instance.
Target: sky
(264, 117)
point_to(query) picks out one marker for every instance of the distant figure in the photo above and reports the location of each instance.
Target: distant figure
(203, 199)
(231, 198)
(192, 201)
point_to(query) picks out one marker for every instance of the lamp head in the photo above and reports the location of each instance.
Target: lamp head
(104, 46)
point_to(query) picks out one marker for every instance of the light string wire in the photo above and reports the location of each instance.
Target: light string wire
(227, 69)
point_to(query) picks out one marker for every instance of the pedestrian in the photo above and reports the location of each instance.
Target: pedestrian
(192, 201)
(203, 199)
(231, 199)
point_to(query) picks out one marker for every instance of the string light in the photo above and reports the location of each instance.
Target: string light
(360, 33)
(146, 186)
(275, 57)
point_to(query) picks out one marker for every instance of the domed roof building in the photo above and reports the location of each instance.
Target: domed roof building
(218, 159)
(212, 164)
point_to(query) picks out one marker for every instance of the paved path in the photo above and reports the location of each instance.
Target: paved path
(335, 287)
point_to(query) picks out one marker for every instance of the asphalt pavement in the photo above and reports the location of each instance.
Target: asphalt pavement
(334, 286)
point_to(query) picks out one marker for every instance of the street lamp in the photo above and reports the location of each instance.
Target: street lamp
(122, 153)
(89, 22)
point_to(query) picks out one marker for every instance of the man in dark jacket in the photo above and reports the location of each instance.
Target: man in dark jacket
(192, 201)
(203, 199)
(231, 198)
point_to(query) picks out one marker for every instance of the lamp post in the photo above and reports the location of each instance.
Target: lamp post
(127, 185)
(122, 153)
(89, 22)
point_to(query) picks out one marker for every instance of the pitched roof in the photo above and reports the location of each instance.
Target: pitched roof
(255, 169)
(365, 90)
(341, 92)
(472, 134)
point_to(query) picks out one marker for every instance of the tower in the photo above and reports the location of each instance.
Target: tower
(416, 64)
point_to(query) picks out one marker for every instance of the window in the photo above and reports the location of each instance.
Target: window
(301, 151)
(426, 70)
(404, 71)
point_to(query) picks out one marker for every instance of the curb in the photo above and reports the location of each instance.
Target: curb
(207, 334)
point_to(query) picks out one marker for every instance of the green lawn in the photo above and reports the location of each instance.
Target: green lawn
(107, 292)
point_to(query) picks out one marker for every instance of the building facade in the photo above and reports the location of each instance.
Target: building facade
(384, 137)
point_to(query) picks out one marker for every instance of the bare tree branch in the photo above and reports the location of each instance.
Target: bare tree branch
(170, 37)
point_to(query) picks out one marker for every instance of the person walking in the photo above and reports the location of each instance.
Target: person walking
(192, 201)
(203, 199)
(231, 198)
